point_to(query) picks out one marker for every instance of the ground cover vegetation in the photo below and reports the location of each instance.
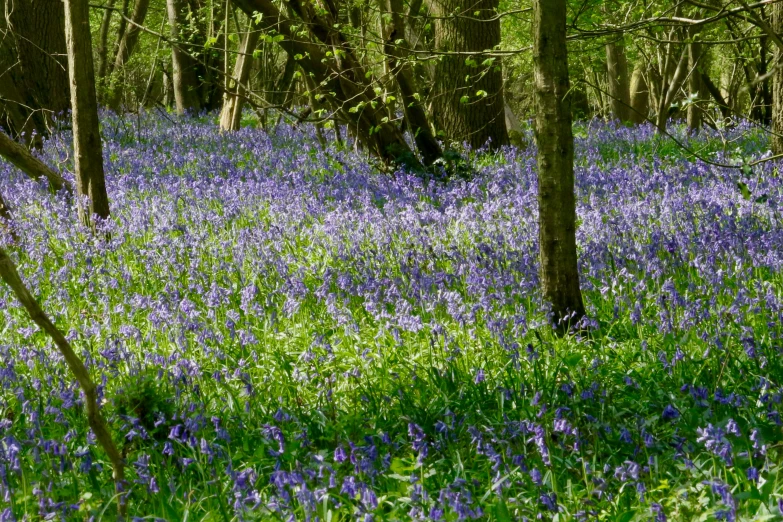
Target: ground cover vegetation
(302, 260)
(278, 332)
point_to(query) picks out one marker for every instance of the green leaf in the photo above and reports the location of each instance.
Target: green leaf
(572, 360)
(743, 187)
(627, 516)
(501, 511)
(762, 199)
(464, 99)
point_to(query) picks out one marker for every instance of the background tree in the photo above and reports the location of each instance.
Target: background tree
(467, 98)
(34, 81)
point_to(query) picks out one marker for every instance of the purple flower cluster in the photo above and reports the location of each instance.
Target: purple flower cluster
(278, 331)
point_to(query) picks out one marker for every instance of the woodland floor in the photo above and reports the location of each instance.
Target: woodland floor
(282, 333)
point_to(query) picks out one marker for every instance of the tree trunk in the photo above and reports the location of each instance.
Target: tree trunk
(87, 147)
(713, 90)
(668, 94)
(777, 85)
(617, 81)
(555, 142)
(7, 220)
(124, 51)
(467, 96)
(35, 44)
(695, 113)
(10, 275)
(103, 40)
(15, 117)
(21, 158)
(233, 98)
(184, 66)
(401, 70)
(339, 76)
(640, 95)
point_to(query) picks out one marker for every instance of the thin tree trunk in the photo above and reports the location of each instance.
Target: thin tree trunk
(87, 147)
(640, 95)
(125, 50)
(468, 101)
(10, 275)
(233, 98)
(21, 158)
(184, 79)
(617, 81)
(667, 96)
(401, 70)
(123, 25)
(103, 40)
(555, 143)
(713, 90)
(777, 85)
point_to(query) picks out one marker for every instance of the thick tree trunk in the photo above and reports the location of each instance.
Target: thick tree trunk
(617, 81)
(15, 118)
(87, 147)
(777, 85)
(184, 66)
(400, 68)
(467, 96)
(640, 95)
(34, 59)
(695, 88)
(125, 50)
(233, 98)
(21, 158)
(555, 142)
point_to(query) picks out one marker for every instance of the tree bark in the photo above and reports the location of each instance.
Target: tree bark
(34, 52)
(714, 91)
(184, 66)
(401, 70)
(103, 40)
(21, 158)
(617, 81)
(695, 112)
(340, 76)
(124, 51)
(467, 96)
(87, 147)
(6, 220)
(555, 143)
(668, 94)
(233, 98)
(640, 95)
(777, 85)
(10, 275)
